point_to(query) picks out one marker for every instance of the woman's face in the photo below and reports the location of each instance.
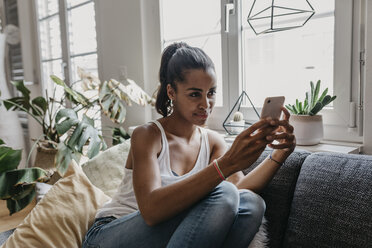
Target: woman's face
(195, 97)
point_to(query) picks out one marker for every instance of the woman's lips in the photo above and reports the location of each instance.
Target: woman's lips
(202, 116)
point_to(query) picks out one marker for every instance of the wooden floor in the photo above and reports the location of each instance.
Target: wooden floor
(9, 222)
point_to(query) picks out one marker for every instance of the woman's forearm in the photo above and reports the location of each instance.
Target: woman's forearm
(259, 177)
(168, 201)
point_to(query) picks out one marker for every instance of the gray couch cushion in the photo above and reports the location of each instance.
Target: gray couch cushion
(278, 194)
(332, 202)
(5, 235)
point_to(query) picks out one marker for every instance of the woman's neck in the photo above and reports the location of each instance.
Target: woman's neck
(178, 127)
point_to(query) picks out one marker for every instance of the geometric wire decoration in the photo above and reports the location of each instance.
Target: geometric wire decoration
(268, 16)
(228, 125)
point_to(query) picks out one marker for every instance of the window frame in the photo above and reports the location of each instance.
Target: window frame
(337, 118)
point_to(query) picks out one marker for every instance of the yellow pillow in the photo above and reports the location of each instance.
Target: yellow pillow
(63, 216)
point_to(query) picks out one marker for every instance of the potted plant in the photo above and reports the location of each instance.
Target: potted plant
(17, 186)
(307, 123)
(68, 131)
(237, 123)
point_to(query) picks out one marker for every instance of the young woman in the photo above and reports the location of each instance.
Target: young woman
(174, 192)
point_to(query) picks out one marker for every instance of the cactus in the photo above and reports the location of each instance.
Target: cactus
(238, 116)
(312, 104)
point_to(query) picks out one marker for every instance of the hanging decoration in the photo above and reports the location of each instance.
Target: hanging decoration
(268, 16)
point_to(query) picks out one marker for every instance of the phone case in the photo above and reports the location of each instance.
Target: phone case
(272, 107)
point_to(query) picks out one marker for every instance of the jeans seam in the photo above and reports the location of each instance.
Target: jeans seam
(191, 234)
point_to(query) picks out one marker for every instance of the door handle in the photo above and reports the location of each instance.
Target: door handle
(229, 7)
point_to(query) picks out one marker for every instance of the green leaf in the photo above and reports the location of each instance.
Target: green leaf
(63, 158)
(317, 88)
(318, 106)
(22, 88)
(1, 142)
(40, 106)
(66, 119)
(323, 95)
(17, 205)
(72, 95)
(11, 182)
(312, 93)
(119, 135)
(110, 98)
(9, 158)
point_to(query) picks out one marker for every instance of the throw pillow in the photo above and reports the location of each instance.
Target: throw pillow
(63, 216)
(106, 170)
(41, 190)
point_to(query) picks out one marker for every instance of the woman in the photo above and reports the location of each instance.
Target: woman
(174, 192)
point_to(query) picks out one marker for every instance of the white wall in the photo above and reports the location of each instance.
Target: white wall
(128, 36)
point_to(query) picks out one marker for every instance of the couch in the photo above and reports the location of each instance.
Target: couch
(315, 200)
(320, 200)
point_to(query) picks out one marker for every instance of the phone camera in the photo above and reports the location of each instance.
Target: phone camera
(268, 101)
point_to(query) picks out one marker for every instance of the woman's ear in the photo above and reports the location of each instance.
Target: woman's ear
(171, 92)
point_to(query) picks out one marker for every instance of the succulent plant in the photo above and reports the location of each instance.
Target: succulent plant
(312, 103)
(238, 116)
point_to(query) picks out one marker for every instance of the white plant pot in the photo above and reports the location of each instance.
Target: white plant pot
(307, 129)
(237, 126)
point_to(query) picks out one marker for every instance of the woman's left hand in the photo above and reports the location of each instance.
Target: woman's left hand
(284, 135)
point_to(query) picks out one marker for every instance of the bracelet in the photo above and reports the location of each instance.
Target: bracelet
(215, 164)
(271, 158)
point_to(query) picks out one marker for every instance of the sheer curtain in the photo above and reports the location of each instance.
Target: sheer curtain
(10, 126)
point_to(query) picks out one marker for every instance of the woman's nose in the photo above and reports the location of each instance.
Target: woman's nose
(205, 103)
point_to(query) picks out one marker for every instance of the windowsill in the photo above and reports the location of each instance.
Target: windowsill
(324, 146)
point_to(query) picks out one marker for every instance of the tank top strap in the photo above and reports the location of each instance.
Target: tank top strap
(164, 141)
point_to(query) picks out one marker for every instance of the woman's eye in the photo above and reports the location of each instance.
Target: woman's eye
(212, 92)
(194, 94)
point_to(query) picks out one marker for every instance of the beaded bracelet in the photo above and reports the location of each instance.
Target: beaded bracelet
(215, 164)
(276, 161)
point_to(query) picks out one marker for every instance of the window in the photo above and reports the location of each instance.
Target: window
(281, 63)
(67, 40)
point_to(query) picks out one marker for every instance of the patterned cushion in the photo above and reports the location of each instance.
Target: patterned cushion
(106, 170)
(278, 194)
(332, 204)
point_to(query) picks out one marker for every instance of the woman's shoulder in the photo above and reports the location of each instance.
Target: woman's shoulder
(214, 137)
(149, 130)
(147, 135)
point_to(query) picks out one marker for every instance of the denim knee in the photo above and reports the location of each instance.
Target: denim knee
(227, 197)
(254, 203)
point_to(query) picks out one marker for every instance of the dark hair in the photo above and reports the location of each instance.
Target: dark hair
(177, 58)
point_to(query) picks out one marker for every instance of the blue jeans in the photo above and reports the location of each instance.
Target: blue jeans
(226, 217)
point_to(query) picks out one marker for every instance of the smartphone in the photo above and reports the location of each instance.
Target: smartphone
(272, 107)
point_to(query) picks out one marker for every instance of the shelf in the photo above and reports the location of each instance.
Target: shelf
(324, 146)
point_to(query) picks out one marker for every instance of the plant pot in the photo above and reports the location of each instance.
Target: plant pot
(45, 159)
(236, 127)
(307, 129)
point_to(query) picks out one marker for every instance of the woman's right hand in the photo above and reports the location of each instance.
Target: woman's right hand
(248, 146)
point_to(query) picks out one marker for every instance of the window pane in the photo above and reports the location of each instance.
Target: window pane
(87, 63)
(50, 38)
(82, 29)
(284, 63)
(53, 68)
(203, 31)
(188, 18)
(72, 3)
(47, 7)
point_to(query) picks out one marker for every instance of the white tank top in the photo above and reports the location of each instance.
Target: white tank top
(124, 201)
